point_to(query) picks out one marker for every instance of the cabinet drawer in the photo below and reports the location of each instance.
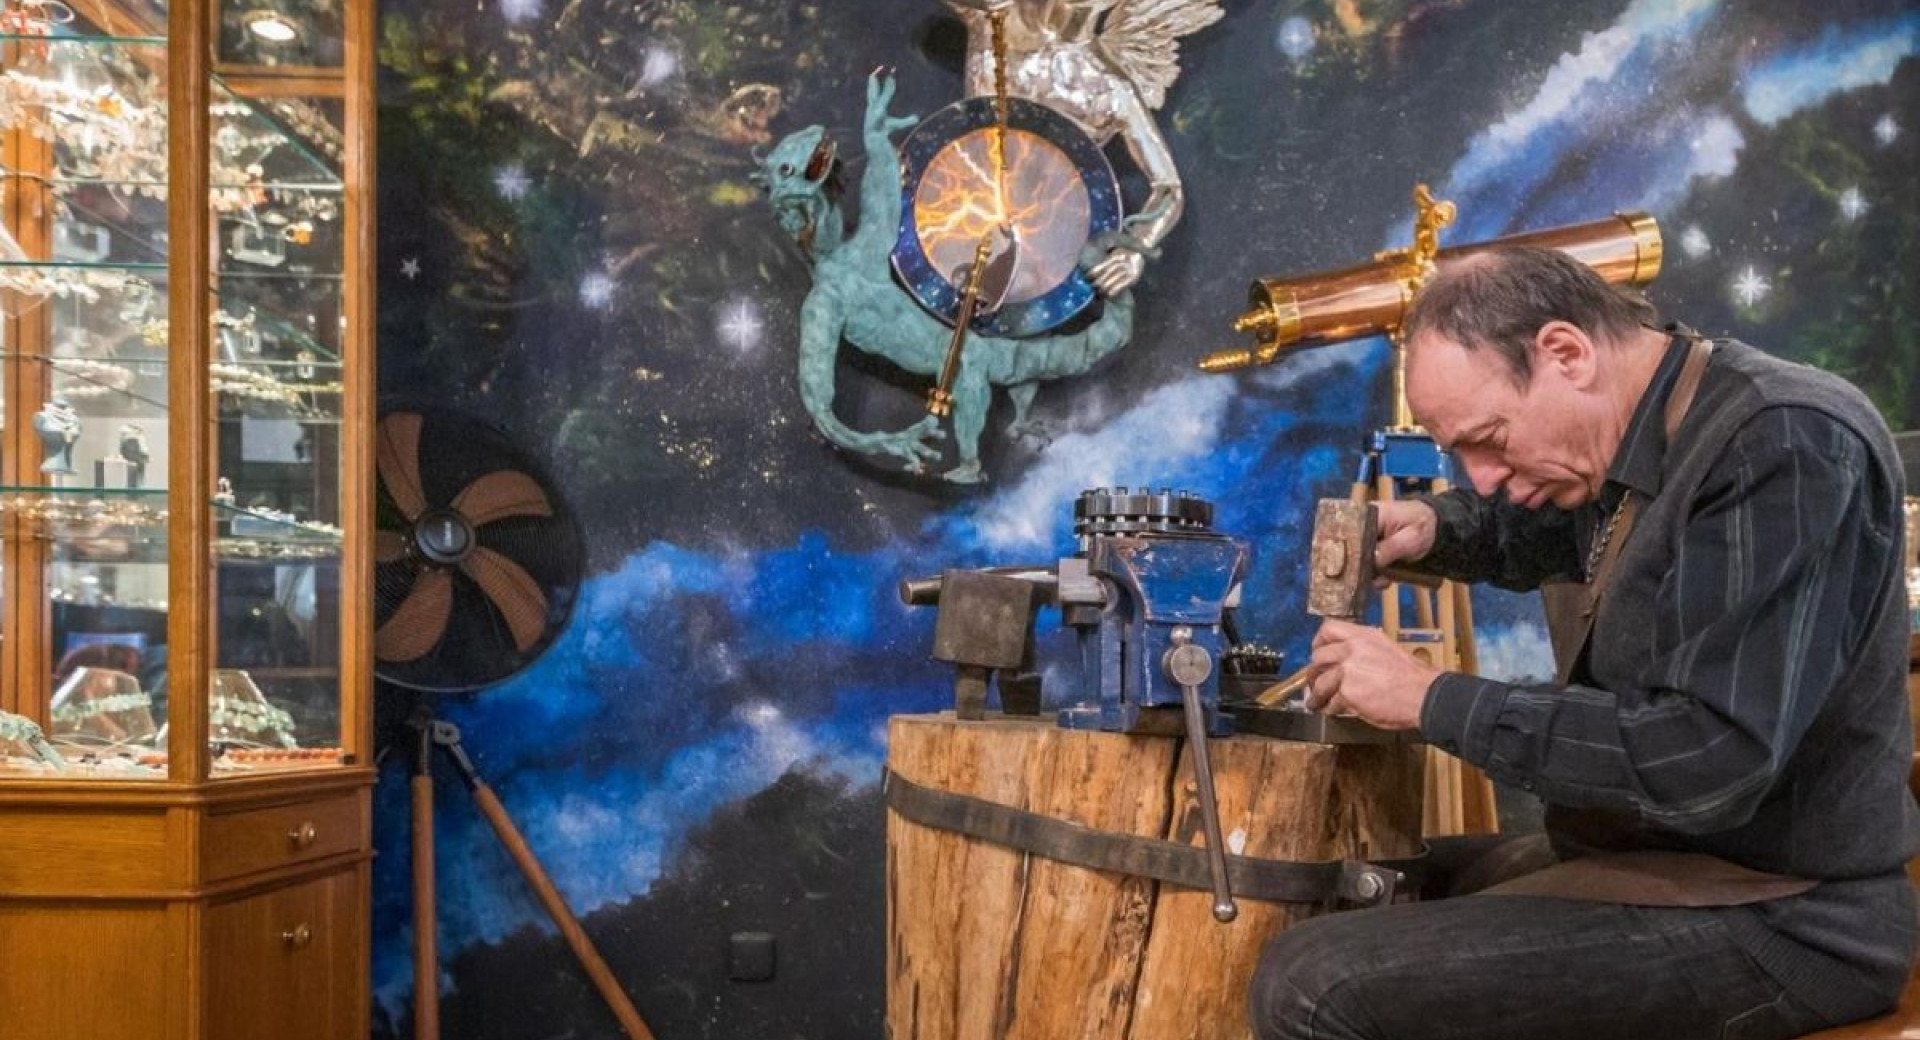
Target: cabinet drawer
(252, 840)
(286, 963)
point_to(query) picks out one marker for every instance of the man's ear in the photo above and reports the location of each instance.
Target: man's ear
(1565, 348)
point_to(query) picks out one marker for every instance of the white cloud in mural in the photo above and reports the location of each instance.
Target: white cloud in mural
(1168, 428)
(1595, 63)
(1715, 147)
(1834, 65)
(1519, 653)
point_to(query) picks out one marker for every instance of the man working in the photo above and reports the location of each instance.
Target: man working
(1724, 758)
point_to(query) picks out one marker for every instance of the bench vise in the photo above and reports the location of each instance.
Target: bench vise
(1151, 576)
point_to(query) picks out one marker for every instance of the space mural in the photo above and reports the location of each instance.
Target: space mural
(571, 248)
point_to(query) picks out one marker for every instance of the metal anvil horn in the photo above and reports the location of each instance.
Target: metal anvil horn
(1372, 298)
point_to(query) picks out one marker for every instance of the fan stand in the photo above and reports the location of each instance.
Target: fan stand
(426, 963)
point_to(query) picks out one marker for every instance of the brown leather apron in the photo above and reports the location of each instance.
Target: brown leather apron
(1642, 877)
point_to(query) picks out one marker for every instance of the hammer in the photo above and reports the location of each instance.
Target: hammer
(1340, 574)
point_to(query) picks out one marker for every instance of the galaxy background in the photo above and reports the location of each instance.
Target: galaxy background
(571, 250)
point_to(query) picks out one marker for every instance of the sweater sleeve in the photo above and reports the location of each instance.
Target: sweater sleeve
(1481, 539)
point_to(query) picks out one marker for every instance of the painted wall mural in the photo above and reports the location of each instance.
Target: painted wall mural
(572, 248)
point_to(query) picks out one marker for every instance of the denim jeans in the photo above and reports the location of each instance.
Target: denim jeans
(1497, 967)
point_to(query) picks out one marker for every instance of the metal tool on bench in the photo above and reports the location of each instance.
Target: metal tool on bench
(1147, 596)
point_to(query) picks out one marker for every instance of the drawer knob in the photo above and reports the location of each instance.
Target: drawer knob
(299, 937)
(304, 835)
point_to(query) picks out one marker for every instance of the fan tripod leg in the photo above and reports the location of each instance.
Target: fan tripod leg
(426, 957)
(447, 736)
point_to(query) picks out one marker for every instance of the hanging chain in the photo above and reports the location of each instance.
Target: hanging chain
(1606, 535)
(998, 20)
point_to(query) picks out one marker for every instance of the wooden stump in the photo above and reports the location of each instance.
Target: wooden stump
(986, 942)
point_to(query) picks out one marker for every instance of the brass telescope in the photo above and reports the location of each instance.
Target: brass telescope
(1372, 298)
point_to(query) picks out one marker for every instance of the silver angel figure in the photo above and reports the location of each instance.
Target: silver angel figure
(1107, 65)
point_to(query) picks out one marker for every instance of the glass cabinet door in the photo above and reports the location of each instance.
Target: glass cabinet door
(89, 365)
(85, 375)
(277, 384)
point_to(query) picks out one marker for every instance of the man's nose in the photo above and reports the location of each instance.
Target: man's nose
(1486, 475)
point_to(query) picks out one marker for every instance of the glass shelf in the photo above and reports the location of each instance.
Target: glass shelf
(105, 97)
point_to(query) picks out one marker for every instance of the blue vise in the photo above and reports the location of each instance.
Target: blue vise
(1151, 577)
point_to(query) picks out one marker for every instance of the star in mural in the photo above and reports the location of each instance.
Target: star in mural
(1750, 288)
(741, 326)
(1852, 204)
(1886, 130)
(596, 291)
(410, 268)
(511, 181)
(518, 11)
(1296, 38)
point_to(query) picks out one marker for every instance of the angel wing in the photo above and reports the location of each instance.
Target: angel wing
(1141, 40)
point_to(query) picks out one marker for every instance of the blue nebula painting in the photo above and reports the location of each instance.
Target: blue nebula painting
(571, 250)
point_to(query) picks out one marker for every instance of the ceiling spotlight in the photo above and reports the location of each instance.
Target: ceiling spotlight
(271, 26)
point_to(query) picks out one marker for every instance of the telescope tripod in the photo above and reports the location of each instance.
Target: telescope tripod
(1402, 460)
(426, 964)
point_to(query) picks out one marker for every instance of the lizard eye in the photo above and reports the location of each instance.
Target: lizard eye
(786, 169)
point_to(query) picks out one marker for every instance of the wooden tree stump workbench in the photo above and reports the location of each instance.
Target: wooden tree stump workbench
(988, 943)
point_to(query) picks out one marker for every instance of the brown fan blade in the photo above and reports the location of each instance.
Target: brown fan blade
(419, 621)
(500, 494)
(388, 546)
(511, 589)
(398, 456)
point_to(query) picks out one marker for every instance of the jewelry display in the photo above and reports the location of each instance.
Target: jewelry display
(91, 597)
(88, 379)
(251, 245)
(82, 283)
(103, 704)
(259, 386)
(59, 427)
(133, 451)
(239, 711)
(238, 759)
(24, 733)
(65, 509)
(76, 241)
(309, 124)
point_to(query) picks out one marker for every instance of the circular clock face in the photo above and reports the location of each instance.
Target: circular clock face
(1055, 189)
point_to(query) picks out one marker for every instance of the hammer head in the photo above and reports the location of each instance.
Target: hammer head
(1341, 577)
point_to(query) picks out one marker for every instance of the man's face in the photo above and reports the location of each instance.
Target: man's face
(1536, 443)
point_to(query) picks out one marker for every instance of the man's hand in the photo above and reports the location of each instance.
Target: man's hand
(1359, 671)
(1405, 534)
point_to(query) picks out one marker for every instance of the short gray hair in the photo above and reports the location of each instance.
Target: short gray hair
(1500, 299)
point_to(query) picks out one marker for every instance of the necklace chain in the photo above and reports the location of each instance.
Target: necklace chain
(1606, 535)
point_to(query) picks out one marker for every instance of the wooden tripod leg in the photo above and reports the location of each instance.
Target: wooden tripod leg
(557, 909)
(426, 957)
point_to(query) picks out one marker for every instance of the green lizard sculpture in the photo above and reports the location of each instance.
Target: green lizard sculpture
(854, 298)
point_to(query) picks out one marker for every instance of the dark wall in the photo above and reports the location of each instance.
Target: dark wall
(570, 249)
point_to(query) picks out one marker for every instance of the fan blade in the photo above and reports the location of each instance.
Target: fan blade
(398, 459)
(511, 589)
(501, 494)
(388, 546)
(420, 620)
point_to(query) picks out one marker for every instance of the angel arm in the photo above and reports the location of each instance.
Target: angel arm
(1143, 232)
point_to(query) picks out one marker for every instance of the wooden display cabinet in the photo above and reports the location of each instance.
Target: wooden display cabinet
(186, 414)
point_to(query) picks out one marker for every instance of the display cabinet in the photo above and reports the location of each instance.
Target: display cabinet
(185, 516)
